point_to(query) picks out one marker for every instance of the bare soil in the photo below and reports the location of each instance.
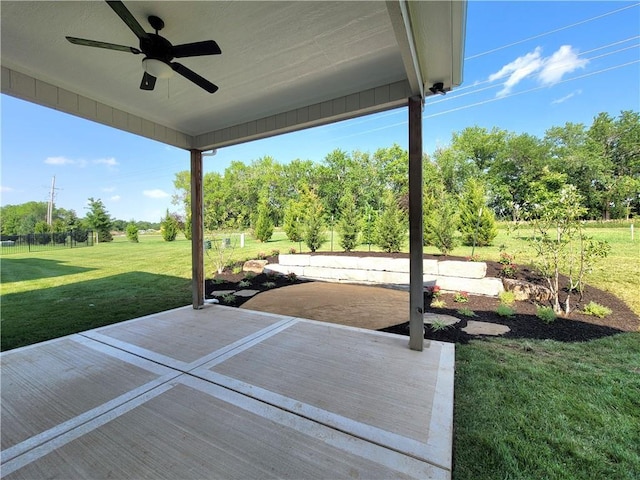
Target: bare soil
(576, 326)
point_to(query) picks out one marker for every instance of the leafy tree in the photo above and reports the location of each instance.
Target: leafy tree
(555, 220)
(477, 222)
(98, 220)
(169, 227)
(390, 230)
(263, 229)
(441, 222)
(132, 232)
(349, 224)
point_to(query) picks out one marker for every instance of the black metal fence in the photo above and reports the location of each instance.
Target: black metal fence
(39, 242)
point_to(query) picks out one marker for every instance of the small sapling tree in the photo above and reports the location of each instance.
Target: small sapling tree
(477, 222)
(132, 232)
(391, 230)
(349, 224)
(263, 229)
(99, 221)
(441, 222)
(169, 227)
(313, 226)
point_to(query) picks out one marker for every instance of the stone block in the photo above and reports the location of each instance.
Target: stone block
(527, 291)
(299, 260)
(284, 269)
(456, 268)
(383, 264)
(255, 266)
(476, 286)
(333, 261)
(430, 267)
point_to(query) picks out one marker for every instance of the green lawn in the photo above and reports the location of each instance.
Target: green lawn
(523, 409)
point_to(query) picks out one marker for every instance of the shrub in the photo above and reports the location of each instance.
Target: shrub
(597, 310)
(244, 283)
(261, 256)
(263, 230)
(477, 221)
(269, 284)
(292, 277)
(249, 275)
(228, 298)
(275, 252)
(390, 230)
(435, 291)
(439, 325)
(169, 227)
(349, 224)
(505, 310)
(292, 251)
(237, 269)
(546, 314)
(507, 298)
(467, 312)
(473, 258)
(438, 303)
(132, 232)
(461, 297)
(441, 223)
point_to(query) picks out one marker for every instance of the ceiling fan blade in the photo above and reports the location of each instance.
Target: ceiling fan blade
(127, 18)
(194, 77)
(109, 46)
(148, 82)
(208, 47)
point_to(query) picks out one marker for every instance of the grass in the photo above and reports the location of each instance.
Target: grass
(550, 410)
(524, 409)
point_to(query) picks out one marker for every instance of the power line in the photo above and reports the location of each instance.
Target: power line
(550, 32)
(531, 89)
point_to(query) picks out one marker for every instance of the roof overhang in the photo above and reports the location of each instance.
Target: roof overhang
(285, 66)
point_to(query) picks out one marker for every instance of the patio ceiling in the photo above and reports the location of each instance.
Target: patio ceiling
(285, 66)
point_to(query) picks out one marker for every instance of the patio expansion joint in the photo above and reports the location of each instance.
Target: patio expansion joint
(368, 433)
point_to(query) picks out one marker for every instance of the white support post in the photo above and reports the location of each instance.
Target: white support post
(416, 287)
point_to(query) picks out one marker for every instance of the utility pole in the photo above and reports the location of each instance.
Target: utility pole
(51, 197)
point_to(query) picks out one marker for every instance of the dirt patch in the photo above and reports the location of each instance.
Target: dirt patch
(372, 307)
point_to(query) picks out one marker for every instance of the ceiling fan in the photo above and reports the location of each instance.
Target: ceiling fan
(158, 51)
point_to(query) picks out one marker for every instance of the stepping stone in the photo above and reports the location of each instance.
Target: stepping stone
(246, 293)
(212, 300)
(484, 328)
(220, 293)
(447, 320)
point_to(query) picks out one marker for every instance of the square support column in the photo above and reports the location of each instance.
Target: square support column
(416, 287)
(197, 227)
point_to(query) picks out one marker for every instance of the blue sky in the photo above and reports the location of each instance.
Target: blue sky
(529, 66)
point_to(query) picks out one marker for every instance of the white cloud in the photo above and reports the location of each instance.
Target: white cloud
(157, 193)
(564, 60)
(116, 198)
(566, 97)
(5, 189)
(59, 161)
(109, 189)
(110, 162)
(517, 70)
(547, 70)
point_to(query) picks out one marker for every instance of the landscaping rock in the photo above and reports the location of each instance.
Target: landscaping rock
(485, 328)
(255, 266)
(523, 290)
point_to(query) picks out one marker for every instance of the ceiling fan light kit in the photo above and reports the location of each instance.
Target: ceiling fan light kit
(158, 51)
(157, 68)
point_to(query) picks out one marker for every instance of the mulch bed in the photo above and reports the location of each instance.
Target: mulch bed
(576, 326)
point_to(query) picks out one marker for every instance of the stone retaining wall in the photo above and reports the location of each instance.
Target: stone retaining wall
(450, 275)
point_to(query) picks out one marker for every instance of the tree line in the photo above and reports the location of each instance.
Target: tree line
(481, 176)
(31, 217)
